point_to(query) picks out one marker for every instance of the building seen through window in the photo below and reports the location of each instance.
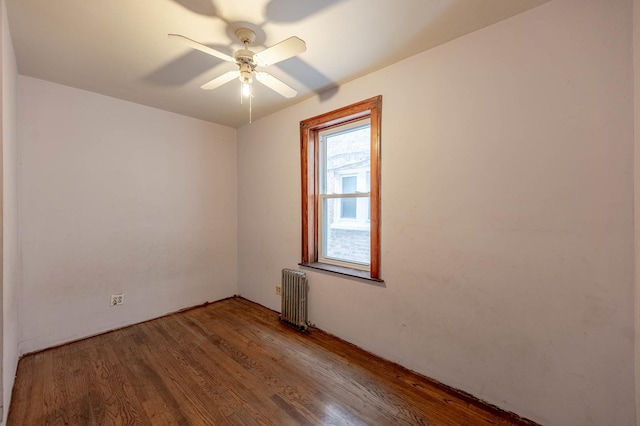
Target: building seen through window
(344, 195)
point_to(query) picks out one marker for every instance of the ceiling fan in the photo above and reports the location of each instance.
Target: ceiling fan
(247, 62)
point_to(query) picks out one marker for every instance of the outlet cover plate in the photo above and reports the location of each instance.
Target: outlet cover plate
(117, 299)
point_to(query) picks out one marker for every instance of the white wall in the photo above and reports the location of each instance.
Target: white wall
(507, 215)
(118, 197)
(10, 252)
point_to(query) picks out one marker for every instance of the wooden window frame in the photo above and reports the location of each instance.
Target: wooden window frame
(310, 154)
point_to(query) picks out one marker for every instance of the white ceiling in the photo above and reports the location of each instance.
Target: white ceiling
(120, 48)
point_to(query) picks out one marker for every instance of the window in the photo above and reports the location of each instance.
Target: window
(340, 154)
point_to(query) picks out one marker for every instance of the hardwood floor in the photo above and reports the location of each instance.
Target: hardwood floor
(230, 362)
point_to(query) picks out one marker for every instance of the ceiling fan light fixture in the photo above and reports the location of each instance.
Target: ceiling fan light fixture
(246, 78)
(246, 89)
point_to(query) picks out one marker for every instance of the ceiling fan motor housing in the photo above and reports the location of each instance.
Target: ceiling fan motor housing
(244, 56)
(244, 59)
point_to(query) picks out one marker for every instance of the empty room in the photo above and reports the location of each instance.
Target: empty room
(320, 212)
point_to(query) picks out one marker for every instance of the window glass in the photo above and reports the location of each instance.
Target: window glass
(346, 148)
(349, 184)
(348, 205)
(346, 153)
(344, 243)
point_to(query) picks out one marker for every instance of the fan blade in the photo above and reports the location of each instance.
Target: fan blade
(276, 85)
(219, 81)
(279, 52)
(201, 47)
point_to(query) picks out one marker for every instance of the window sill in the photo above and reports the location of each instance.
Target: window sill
(364, 275)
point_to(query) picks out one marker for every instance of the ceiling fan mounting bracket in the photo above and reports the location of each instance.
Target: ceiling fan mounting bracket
(245, 35)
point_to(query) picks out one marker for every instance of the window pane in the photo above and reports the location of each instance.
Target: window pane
(345, 151)
(347, 241)
(348, 205)
(348, 208)
(349, 184)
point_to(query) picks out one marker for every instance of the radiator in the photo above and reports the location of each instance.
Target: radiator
(294, 292)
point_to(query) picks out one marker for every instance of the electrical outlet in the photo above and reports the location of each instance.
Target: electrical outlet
(117, 299)
(278, 290)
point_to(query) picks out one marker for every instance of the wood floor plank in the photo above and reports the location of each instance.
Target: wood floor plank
(29, 390)
(173, 378)
(112, 399)
(249, 370)
(75, 391)
(153, 392)
(231, 362)
(323, 372)
(277, 377)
